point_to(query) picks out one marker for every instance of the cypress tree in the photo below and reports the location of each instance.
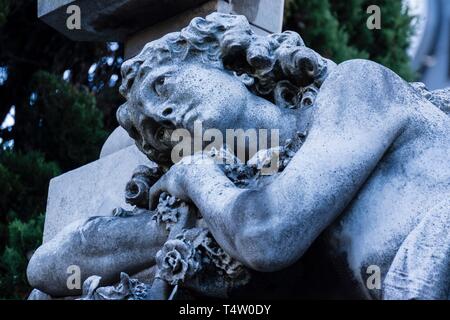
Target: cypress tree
(337, 30)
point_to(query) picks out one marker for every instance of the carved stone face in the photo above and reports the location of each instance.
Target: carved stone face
(183, 77)
(174, 96)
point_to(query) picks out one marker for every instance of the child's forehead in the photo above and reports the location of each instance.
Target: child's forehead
(154, 71)
(152, 68)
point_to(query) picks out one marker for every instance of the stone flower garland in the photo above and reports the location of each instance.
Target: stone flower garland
(190, 257)
(189, 251)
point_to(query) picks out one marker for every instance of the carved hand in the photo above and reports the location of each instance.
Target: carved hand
(177, 180)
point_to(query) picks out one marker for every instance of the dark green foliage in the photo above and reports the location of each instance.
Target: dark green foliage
(58, 125)
(62, 122)
(321, 30)
(24, 182)
(337, 29)
(23, 237)
(4, 10)
(28, 45)
(65, 126)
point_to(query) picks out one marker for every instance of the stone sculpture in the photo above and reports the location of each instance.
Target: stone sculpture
(364, 170)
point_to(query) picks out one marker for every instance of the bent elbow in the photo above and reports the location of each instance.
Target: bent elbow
(263, 254)
(46, 273)
(36, 270)
(268, 263)
(261, 240)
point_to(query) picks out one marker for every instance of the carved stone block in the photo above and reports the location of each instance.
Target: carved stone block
(92, 190)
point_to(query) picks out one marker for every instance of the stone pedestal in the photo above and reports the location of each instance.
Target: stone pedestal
(92, 190)
(117, 140)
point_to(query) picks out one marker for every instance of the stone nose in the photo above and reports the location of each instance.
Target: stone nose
(123, 117)
(167, 111)
(162, 114)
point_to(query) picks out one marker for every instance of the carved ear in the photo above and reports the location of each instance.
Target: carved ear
(245, 79)
(286, 95)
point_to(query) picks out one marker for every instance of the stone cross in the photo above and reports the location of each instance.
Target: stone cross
(98, 188)
(137, 22)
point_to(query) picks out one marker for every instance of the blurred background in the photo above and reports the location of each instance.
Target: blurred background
(430, 46)
(58, 97)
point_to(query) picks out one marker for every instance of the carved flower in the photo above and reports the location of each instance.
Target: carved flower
(169, 210)
(136, 190)
(223, 262)
(177, 261)
(126, 289)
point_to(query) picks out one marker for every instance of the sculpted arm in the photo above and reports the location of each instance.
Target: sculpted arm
(270, 228)
(103, 246)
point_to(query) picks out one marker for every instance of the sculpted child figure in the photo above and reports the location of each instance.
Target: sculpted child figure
(372, 177)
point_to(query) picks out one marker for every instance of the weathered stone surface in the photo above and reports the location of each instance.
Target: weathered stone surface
(117, 140)
(38, 295)
(265, 16)
(139, 21)
(94, 189)
(88, 244)
(137, 41)
(369, 181)
(420, 269)
(110, 20)
(383, 147)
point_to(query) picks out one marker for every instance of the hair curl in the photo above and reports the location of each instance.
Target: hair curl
(278, 67)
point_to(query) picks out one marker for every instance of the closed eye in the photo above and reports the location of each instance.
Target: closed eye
(158, 85)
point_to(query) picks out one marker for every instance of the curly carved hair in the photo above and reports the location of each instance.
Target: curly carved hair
(278, 67)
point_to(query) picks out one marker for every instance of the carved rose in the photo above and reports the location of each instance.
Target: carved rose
(170, 211)
(136, 190)
(177, 261)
